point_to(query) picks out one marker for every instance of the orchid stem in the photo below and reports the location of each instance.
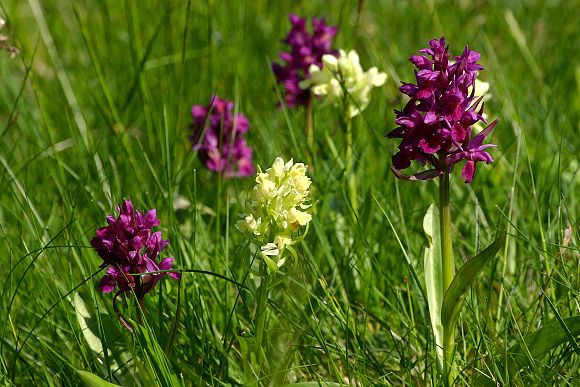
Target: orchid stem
(262, 295)
(448, 267)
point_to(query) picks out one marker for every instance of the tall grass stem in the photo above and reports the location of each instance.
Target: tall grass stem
(308, 117)
(350, 174)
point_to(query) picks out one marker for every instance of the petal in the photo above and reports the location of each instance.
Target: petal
(421, 62)
(468, 171)
(409, 89)
(126, 208)
(166, 263)
(151, 266)
(429, 118)
(401, 160)
(480, 155)
(478, 140)
(106, 284)
(270, 249)
(113, 272)
(199, 113)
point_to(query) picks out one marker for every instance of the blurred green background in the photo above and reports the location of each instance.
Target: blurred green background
(96, 108)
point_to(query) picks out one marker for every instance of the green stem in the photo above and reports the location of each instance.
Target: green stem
(263, 291)
(309, 130)
(448, 267)
(350, 174)
(445, 224)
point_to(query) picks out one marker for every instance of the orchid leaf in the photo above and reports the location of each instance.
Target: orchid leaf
(465, 277)
(434, 277)
(92, 380)
(247, 344)
(536, 345)
(83, 317)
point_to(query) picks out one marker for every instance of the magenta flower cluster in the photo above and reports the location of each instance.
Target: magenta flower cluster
(218, 136)
(305, 50)
(130, 249)
(436, 124)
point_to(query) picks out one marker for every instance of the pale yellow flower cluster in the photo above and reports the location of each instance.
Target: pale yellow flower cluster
(278, 206)
(344, 74)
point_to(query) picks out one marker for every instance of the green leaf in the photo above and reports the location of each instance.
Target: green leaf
(92, 380)
(463, 280)
(434, 277)
(539, 343)
(83, 316)
(247, 345)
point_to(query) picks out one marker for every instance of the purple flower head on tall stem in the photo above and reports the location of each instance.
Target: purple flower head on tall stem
(130, 249)
(436, 124)
(305, 50)
(218, 136)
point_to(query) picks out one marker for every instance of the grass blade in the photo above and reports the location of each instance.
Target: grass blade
(539, 343)
(157, 361)
(92, 380)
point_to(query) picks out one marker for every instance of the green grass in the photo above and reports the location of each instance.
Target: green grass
(96, 108)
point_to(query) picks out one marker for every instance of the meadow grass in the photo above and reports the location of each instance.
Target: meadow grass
(96, 108)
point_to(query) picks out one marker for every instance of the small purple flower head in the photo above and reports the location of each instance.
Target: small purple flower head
(436, 124)
(218, 136)
(130, 248)
(305, 50)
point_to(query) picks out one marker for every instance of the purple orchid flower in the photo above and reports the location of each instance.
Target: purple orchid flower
(305, 50)
(436, 124)
(130, 250)
(218, 136)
